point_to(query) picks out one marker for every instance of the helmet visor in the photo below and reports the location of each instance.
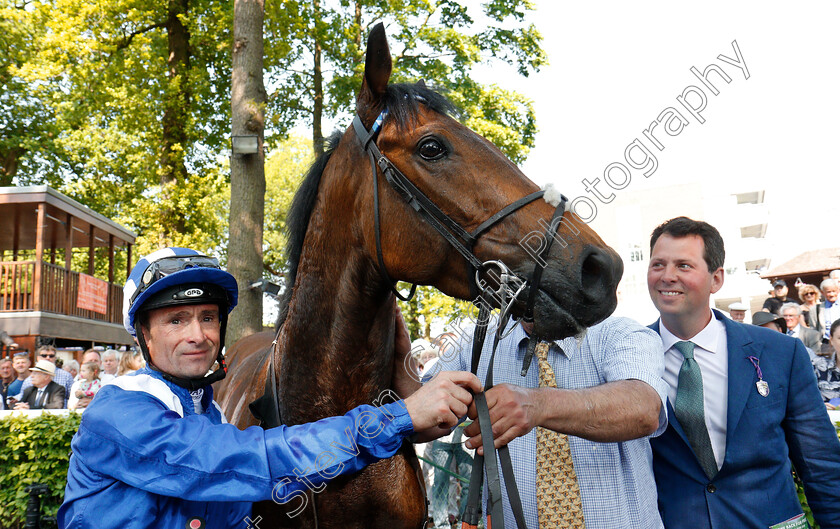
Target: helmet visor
(169, 265)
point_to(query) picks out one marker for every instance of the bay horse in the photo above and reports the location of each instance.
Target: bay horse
(335, 343)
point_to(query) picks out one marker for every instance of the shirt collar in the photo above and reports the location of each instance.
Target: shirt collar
(520, 337)
(707, 339)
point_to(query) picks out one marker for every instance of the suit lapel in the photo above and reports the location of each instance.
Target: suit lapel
(742, 374)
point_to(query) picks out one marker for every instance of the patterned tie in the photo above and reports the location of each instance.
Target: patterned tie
(689, 409)
(558, 495)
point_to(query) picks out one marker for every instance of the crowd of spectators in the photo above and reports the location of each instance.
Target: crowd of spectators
(53, 384)
(813, 319)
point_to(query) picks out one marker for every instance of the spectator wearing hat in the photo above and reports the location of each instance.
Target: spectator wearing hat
(780, 297)
(738, 311)
(43, 393)
(60, 376)
(769, 320)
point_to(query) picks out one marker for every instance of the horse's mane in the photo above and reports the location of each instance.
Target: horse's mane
(402, 102)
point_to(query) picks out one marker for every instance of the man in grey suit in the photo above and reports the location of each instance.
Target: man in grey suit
(811, 338)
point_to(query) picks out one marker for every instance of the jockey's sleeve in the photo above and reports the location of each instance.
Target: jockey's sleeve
(137, 440)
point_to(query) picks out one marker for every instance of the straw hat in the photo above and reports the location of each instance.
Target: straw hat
(44, 366)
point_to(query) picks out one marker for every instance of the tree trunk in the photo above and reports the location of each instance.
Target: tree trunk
(317, 85)
(247, 172)
(10, 159)
(176, 107)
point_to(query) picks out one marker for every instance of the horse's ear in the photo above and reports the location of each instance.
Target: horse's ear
(421, 83)
(377, 72)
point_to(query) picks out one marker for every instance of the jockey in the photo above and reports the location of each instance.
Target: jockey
(153, 448)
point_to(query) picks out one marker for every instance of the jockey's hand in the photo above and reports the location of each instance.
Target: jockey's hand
(439, 405)
(514, 411)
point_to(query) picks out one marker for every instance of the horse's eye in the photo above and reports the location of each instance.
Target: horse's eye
(431, 149)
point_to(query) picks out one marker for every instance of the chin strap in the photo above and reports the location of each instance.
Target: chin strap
(191, 384)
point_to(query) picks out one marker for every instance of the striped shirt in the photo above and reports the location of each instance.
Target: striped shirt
(615, 479)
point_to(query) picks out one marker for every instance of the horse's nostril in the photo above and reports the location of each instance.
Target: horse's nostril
(598, 273)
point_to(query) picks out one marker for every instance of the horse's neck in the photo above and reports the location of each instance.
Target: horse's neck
(337, 339)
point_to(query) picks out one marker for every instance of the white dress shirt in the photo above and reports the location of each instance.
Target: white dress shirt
(710, 352)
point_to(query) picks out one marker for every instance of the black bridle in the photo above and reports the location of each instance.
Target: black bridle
(459, 238)
(511, 286)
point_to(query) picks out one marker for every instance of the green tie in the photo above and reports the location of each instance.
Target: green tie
(689, 409)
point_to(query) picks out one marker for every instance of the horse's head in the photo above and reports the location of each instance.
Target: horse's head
(469, 180)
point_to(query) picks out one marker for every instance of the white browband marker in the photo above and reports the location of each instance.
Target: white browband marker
(553, 196)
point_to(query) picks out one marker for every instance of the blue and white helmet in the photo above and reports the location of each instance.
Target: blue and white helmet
(154, 282)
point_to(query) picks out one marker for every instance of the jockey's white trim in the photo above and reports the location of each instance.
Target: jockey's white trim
(224, 419)
(158, 390)
(153, 387)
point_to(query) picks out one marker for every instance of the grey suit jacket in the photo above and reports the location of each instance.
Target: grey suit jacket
(811, 338)
(53, 400)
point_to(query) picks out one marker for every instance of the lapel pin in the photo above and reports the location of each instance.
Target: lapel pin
(762, 386)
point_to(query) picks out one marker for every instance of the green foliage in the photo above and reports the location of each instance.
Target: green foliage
(803, 501)
(100, 74)
(428, 306)
(285, 168)
(87, 90)
(439, 41)
(26, 123)
(35, 450)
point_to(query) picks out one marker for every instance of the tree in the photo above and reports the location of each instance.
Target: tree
(136, 94)
(247, 172)
(434, 40)
(26, 122)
